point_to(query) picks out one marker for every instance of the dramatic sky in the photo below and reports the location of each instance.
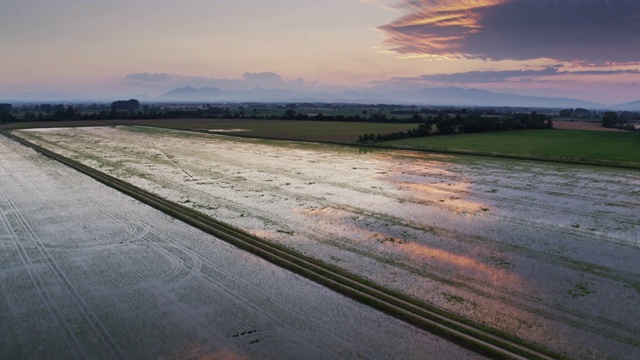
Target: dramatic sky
(587, 49)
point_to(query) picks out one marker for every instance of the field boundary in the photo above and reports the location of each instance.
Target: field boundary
(471, 335)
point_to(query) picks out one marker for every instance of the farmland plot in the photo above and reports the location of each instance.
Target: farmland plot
(86, 272)
(547, 252)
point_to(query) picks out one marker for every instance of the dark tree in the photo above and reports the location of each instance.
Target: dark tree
(445, 124)
(581, 113)
(289, 114)
(125, 105)
(566, 113)
(5, 113)
(610, 119)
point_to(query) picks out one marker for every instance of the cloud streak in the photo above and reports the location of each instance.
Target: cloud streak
(592, 32)
(478, 77)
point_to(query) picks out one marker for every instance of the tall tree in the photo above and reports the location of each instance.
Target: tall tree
(610, 119)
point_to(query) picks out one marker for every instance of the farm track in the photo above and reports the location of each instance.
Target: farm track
(461, 331)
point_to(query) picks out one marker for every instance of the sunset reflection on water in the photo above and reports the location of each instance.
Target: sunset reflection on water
(529, 248)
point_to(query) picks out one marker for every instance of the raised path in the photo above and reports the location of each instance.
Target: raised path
(470, 335)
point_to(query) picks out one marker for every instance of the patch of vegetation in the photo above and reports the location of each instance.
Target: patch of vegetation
(205, 207)
(453, 299)
(633, 285)
(501, 262)
(580, 290)
(385, 239)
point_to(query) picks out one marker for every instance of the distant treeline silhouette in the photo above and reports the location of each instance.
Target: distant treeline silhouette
(468, 122)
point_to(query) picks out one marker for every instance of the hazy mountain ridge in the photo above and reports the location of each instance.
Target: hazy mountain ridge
(389, 94)
(425, 96)
(632, 106)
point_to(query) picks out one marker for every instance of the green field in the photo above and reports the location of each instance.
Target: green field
(300, 130)
(572, 145)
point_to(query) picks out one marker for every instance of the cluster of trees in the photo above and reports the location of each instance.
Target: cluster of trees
(132, 109)
(125, 105)
(5, 113)
(578, 113)
(291, 114)
(467, 122)
(122, 109)
(612, 119)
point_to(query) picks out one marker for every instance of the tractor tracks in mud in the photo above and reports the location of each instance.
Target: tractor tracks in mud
(473, 336)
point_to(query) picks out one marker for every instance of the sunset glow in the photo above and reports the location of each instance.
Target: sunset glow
(116, 49)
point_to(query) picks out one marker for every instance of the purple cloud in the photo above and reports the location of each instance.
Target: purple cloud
(478, 77)
(488, 76)
(581, 31)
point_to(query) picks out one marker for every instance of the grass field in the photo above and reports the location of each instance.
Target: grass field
(278, 112)
(579, 145)
(298, 130)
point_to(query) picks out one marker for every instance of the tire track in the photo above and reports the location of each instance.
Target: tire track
(85, 309)
(197, 261)
(42, 289)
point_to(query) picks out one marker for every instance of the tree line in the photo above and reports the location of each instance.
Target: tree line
(133, 110)
(121, 109)
(469, 122)
(5, 113)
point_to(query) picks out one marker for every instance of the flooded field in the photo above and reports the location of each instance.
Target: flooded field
(86, 272)
(547, 252)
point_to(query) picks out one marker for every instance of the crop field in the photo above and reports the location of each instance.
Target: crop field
(546, 252)
(87, 272)
(329, 131)
(615, 147)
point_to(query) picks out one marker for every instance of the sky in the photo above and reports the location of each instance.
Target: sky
(585, 49)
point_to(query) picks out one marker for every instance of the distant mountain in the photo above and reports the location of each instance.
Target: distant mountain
(189, 93)
(209, 94)
(426, 96)
(475, 97)
(631, 106)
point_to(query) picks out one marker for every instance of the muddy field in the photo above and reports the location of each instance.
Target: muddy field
(547, 252)
(86, 272)
(581, 125)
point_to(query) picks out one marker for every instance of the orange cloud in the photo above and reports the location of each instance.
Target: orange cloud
(407, 34)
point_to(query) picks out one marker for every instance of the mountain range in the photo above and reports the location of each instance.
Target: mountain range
(444, 96)
(631, 106)
(382, 94)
